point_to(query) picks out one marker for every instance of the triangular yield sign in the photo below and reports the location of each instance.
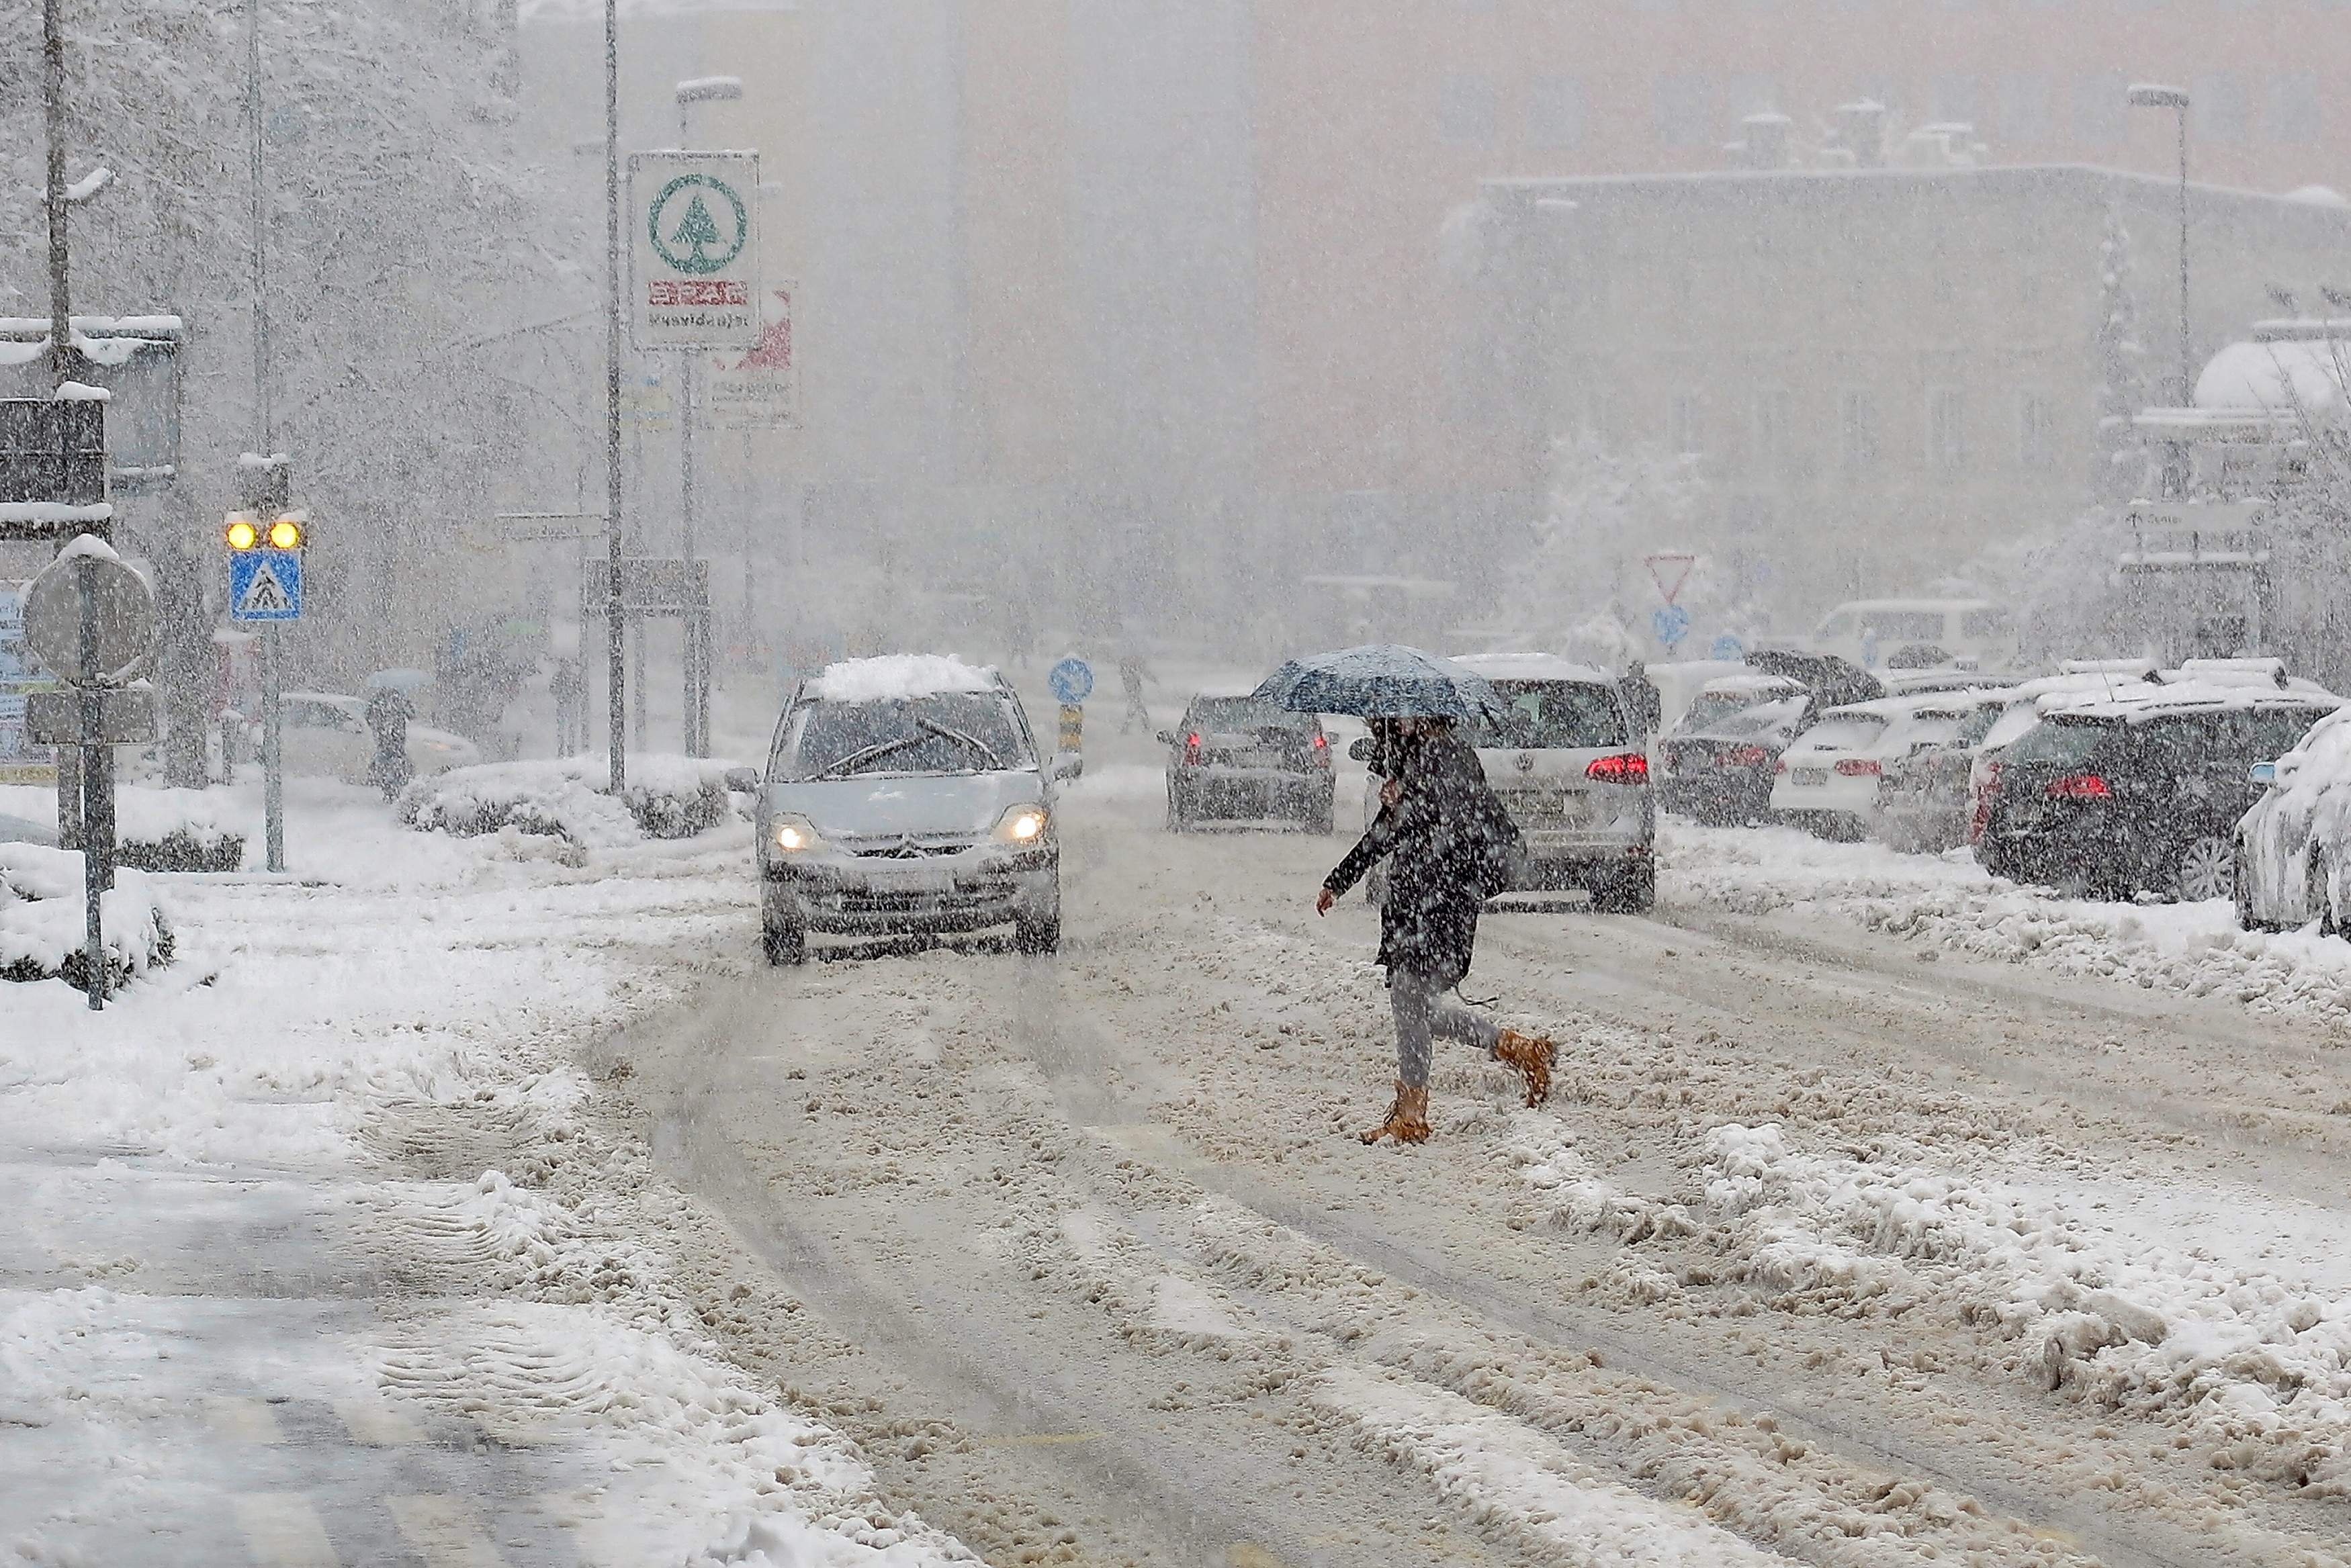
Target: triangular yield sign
(265, 595)
(1657, 575)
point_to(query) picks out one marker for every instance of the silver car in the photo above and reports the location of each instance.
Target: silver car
(905, 794)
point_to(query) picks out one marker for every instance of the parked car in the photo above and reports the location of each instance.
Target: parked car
(1924, 803)
(324, 734)
(905, 793)
(1237, 759)
(1568, 765)
(1872, 632)
(2294, 843)
(2074, 681)
(2141, 793)
(1828, 780)
(1716, 760)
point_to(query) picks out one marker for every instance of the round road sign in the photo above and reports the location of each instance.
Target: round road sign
(121, 605)
(1072, 679)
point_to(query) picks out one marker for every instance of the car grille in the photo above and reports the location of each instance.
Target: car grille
(908, 848)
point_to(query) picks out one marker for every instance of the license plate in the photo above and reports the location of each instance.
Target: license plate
(1808, 778)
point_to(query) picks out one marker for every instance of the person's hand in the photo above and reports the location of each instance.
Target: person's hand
(1391, 791)
(1323, 900)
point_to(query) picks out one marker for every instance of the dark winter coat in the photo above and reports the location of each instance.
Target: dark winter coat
(1449, 845)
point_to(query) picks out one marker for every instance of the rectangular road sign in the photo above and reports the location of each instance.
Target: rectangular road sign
(126, 717)
(265, 585)
(694, 249)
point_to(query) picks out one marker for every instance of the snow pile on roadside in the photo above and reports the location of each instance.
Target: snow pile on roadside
(665, 797)
(896, 677)
(680, 1437)
(42, 915)
(2253, 1364)
(176, 830)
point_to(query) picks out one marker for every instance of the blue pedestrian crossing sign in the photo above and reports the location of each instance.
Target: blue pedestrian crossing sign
(1072, 679)
(265, 586)
(1671, 624)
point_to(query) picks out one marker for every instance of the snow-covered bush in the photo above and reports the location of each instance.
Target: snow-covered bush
(666, 797)
(42, 914)
(175, 830)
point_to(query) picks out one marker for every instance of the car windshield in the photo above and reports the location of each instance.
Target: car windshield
(1845, 733)
(1977, 725)
(1556, 715)
(1781, 713)
(1242, 715)
(945, 733)
(2057, 743)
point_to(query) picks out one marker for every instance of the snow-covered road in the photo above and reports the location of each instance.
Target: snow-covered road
(467, 1206)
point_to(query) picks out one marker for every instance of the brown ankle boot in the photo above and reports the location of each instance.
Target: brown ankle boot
(1408, 1118)
(1533, 1056)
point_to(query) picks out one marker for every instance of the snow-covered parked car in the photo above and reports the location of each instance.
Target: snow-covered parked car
(1828, 779)
(324, 734)
(1716, 761)
(1923, 802)
(905, 793)
(2293, 844)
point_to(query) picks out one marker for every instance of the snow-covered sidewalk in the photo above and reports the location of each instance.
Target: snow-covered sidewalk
(282, 1278)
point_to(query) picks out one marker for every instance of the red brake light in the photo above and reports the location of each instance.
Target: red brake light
(1626, 767)
(1192, 744)
(1321, 742)
(1745, 757)
(1981, 817)
(2080, 786)
(1859, 768)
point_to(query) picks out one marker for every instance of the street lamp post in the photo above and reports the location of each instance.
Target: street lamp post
(616, 630)
(700, 89)
(2151, 94)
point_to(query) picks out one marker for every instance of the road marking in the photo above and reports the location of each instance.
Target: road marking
(246, 1420)
(446, 1531)
(1040, 1439)
(377, 1424)
(284, 1531)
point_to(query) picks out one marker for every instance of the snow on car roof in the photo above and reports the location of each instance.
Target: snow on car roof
(898, 675)
(1729, 685)
(2189, 696)
(1531, 667)
(1956, 704)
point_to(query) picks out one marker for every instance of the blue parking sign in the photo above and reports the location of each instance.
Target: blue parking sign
(1072, 679)
(265, 585)
(1671, 624)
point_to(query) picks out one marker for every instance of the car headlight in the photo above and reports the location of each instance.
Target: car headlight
(792, 835)
(1023, 826)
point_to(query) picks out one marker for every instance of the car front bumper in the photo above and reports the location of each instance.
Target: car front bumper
(865, 895)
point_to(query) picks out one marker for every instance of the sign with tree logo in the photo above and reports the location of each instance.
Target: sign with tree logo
(759, 390)
(693, 277)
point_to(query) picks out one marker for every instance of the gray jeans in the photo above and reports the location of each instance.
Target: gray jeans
(1422, 1015)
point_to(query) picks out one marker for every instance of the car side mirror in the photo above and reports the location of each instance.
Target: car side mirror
(743, 781)
(1067, 765)
(2262, 773)
(1361, 749)
(1166, 737)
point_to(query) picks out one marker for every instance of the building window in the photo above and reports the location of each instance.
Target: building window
(1857, 432)
(2221, 109)
(1687, 435)
(2100, 108)
(1684, 110)
(1767, 430)
(1555, 107)
(1465, 111)
(2023, 108)
(2294, 117)
(1947, 432)
(2036, 433)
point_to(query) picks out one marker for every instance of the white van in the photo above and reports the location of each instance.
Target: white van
(1873, 633)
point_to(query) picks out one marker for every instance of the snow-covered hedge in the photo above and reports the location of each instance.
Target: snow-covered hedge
(175, 830)
(42, 913)
(666, 797)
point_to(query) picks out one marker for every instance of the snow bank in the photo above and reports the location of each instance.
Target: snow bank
(666, 797)
(42, 915)
(176, 830)
(897, 674)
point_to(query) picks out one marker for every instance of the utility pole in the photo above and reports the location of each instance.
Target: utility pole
(615, 628)
(70, 826)
(702, 90)
(271, 477)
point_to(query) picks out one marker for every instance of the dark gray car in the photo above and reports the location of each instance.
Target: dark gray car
(1235, 759)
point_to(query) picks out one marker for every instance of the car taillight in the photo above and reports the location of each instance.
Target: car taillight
(1745, 757)
(1322, 751)
(1859, 768)
(1781, 766)
(1626, 767)
(2079, 786)
(1985, 792)
(1192, 748)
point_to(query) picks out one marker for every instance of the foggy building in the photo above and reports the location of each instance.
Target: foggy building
(1885, 371)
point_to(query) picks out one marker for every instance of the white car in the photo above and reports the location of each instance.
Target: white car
(1828, 778)
(2293, 844)
(324, 734)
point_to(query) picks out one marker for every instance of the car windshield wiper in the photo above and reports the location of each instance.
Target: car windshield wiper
(947, 732)
(881, 749)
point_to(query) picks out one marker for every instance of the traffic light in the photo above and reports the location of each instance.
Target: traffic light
(246, 531)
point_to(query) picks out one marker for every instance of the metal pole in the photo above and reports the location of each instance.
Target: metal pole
(689, 638)
(272, 779)
(273, 776)
(616, 631)
(53, 109)
(93, 852)
(2186, 358)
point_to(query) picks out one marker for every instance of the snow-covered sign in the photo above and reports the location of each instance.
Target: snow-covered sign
(694, 249)
(1670, 570)
(759, 390)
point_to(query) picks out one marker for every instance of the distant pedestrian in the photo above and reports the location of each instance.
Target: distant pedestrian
(1451, 845)
(1130, 675)
(388, 712)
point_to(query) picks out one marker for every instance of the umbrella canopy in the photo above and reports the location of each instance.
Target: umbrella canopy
(398, 681)
(1381, 681)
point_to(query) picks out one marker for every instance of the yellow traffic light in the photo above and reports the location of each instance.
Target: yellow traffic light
(286, 533)
(242, 535)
